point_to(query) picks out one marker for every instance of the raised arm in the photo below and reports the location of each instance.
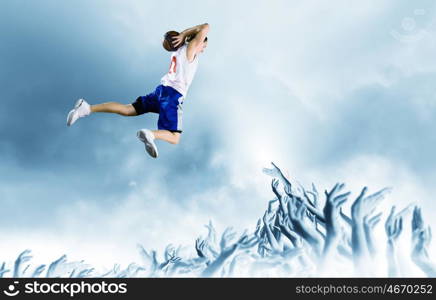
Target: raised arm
(334, 201)
(267, 220)
(393, 228)
(362, 207)
(421, 237)
(197, 35)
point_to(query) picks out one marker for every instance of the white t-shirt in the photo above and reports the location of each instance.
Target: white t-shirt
(181, 71)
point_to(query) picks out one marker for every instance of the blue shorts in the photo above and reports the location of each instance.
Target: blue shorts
(165, 101)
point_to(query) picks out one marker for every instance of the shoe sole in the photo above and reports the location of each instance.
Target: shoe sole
(70, 114)
(148, 146)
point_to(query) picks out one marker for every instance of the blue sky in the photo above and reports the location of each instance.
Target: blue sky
(328, 90)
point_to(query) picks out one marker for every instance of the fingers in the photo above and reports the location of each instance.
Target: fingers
(176, 40)
(419, 219)
(397, 228)
(227, 230)
(400, 225)
(341, 199)
(389, 220)
(414, 218)
(329, 195)
(231, 236)
(406, 210)
(374, 220)
(394, 228)
(345, 217)
(375, 198)
(362, 194)
(268, 171)
(335, 187)
(338, 204)
(275, 183)
(274, 165)
(391, 215)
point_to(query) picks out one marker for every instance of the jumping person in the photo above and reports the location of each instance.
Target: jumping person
(167, 99)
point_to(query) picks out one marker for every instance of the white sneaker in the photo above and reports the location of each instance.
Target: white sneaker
(147, 137)
(81, 109)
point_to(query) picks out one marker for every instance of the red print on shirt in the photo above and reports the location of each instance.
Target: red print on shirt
(173, 65)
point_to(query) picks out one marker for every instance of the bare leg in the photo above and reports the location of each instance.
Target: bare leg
(129, 110)
(167, 136)
(115, 108)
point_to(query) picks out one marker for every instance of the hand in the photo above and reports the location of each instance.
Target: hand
(333, 204)
(332, 209)
(369, 222)
(417, 221)
(3, 269)
(422, 241)
(227, 247)
(274, 185)
(211, 236)
(393, 226)
(200, 246)
(38, 271)
(310, 205)
(171, 254)
(303, 227)
(245, 242)
(51, 272)
(150, 259)
(346, 218)
(286, 229)
(363, 206)
(21, 259)
(314, 194)
(178, 40)
(85, 273)
(226, 238)
(405, 211)
(274, 171)
(421, 237)
(111, 273)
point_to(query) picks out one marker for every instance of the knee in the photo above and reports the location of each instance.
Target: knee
(127, 110)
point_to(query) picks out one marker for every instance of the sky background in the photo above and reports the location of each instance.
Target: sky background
(329, 90)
